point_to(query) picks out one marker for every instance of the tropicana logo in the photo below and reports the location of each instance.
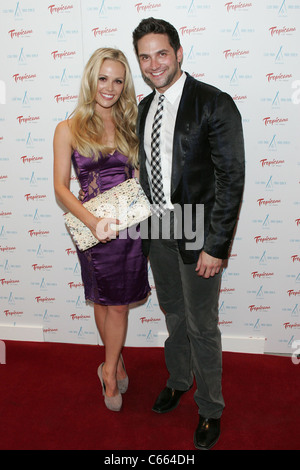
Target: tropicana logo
(26, 120)
(6, 282)
(17, 34)
(61, 99)
(269, 202)
(272, 77)
(150, 6)
(230, 6)
(36, 233)
(41, 267)
(62, 8)
(275, 31)
(73, 316)
(70, 251)
(293, 292)
(102, 32)
(74, 285)
(62, 55)
(256, 274)
(44, 299)
(269, 121)
(36, 197)
(255, 308)
(7, 248)
(234, 54)
(149, 320)
(26, 159)
(260, 239)
(188, 31)
(291, 325)
(20, 78)
(8, 313)
(265, 162)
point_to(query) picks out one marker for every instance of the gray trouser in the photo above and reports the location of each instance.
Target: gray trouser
(193, 347)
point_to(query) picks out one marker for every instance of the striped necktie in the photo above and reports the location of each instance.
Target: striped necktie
(159, 199)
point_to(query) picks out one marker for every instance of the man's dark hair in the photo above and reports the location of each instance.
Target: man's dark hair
(156, 26)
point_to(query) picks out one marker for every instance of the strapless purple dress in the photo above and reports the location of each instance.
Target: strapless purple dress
(114, 273)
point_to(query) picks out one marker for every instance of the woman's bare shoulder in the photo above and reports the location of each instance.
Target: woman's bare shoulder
(63, 130)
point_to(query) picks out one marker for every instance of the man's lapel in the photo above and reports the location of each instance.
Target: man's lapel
(143, 111)
(180, 142)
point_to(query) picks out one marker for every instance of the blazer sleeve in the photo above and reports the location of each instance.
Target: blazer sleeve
(225, 137)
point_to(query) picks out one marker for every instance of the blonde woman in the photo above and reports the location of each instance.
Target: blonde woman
(99, 140)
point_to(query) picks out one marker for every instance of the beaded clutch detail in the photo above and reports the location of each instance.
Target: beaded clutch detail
(126, 202)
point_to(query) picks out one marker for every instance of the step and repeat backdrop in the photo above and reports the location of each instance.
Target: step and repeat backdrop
(250, 49)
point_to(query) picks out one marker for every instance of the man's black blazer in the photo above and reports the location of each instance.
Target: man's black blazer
(208, 164)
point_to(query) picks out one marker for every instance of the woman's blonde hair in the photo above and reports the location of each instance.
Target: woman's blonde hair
(87, 126)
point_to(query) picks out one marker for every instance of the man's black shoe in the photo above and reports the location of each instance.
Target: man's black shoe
(167, 400)
(207, 433)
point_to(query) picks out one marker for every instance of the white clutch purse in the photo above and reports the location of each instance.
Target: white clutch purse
(126, 202)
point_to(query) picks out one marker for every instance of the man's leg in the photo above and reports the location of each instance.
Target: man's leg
(201, 308)
(164, 261)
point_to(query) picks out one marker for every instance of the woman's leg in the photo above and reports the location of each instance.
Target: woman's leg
(100, 312)
(112, 322)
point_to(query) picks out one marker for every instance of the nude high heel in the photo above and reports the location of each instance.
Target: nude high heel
(112, 403)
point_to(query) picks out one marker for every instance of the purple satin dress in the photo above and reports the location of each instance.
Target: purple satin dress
(114, 273)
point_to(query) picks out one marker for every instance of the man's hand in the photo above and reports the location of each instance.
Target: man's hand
(208, 266)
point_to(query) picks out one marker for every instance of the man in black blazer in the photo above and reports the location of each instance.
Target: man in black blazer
(202, 166)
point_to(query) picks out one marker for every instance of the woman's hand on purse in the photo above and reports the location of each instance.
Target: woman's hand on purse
(104, 232)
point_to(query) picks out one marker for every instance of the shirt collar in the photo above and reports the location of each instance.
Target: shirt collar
(174, 91)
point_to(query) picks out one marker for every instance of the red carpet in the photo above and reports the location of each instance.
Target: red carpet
(50, 399)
